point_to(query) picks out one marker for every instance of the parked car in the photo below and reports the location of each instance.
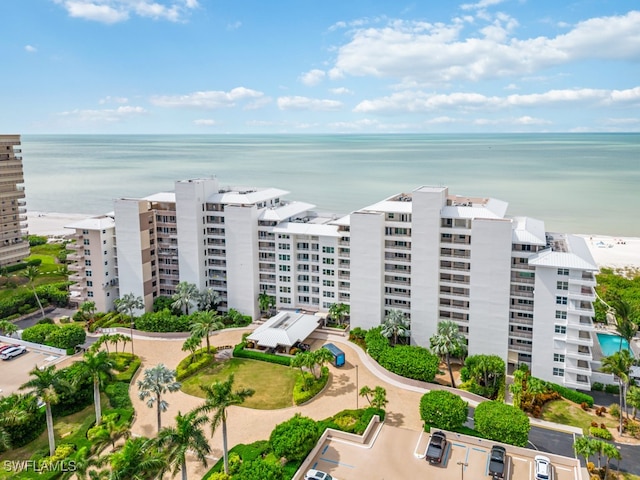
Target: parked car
(12, 352)
(436, 448)
(318, 475)
(497, 462)
(542, 467)
(4, 347)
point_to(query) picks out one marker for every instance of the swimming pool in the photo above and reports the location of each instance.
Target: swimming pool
(610, 343)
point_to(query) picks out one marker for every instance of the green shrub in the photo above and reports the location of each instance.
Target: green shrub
(186, 367)
(38, 333)
(600, 433)
(34, 262)
(572, 395)
(35, 240)
(294, 438)
(376, 343)
(16, 267)
(364, 420)
(614, 410)
(612, 389)
(443, 409)
(118, 394)
(240, 352)
(127, 374)
(303, 391)
(501, 422)
(163, 321)
(413, 362)
(597, 387)
(261, 469)
(66, 336)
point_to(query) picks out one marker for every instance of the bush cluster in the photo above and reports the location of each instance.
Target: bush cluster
(53, 293)
(572, 395)
(118, 395)
(65, 336)
(443, 409)
(188, 366)
(240, 352)
(305, 391)
(126, 365)
(600, 433)
(498, 421)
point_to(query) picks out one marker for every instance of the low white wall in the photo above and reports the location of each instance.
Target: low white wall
(37, 346)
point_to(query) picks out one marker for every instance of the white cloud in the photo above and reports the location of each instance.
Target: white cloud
(482, 4)
(114, 11)
(234, 25)
(110, 99)
(527, 120)
(30, 49)
(438, 53)
(305, 103)
(103, 116)
(312, 77)
(418, 101)
(340, 91)
(211, 99)
(440, 120)
(622, 121)
(207, 122)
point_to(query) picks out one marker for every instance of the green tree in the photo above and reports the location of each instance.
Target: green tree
(192, 344)
(204, 323)
(129, 303)
(487, 372)
(498, 421)
(339, 312)
(96, 366)
(633, 398)
(31, 273)
(611, 452)
(320, 357)
(10, 417)
(137, 460)
(186, 436)
(294, 438)
(157, 381)
(443, 409)
(186, 294)
(379, 399)
(266, 302)
(626, 320)
(260, 469)
(619, 364)
(365, 392)
(586, 447)
(446, 342)
(219, 397)
(395, 325)
(208, 299)
(47, 383)
(7, 328)
(88, 310)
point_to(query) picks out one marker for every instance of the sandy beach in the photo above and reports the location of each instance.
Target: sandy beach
(614, 252)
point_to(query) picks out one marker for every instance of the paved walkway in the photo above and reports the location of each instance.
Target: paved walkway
(248, 425)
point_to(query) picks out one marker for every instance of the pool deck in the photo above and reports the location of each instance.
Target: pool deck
(597, 352)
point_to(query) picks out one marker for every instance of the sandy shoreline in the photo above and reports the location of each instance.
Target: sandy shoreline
(607, 251)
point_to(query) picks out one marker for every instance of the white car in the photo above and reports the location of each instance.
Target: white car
(13, 352)
(318, 475)
(542, 467)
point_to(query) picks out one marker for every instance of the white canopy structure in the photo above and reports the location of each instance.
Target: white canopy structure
(285, 329)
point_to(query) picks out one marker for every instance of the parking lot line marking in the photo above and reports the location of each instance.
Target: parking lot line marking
(324, 449)
(335, 462)
(479, 449)
(459, 445)
(314, 465)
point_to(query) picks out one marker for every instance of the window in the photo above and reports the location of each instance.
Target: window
(284, 258)
(106, 263)
(560, 314)
(328, 261)
(284, 278)
(328, 294)
(562, 285)
(85, 241)
(104, 242)
(285, 289)
(284, 246)
(558, 372)
(563, 271)
(327, 249)
(85, 232)
(87, 252)
(558, 357)
(87, 263)
(89, 293)
(561, 329)
(89, 283)
(88, 273)
(561, 300)
(328, 283)
(328, 272)
(284, 268)
(105, 252)
(285, 300)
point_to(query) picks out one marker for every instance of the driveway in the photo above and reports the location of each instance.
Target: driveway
(15, 372)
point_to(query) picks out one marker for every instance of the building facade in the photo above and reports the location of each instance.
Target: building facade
(513, 289)
(13, 244)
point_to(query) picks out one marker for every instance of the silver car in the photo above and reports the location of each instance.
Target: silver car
(9, 353)
(542, 467)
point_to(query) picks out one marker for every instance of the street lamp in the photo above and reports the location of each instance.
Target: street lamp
(462, 465)
(131, 333)
(357, 389)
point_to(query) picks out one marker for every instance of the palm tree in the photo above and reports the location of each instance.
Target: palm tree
(129, 303)
(395, 325)
(220, 396)
(379, 399)
(10, 417)
(46, 384)
(88, 310)
(619, 364)
(137, 460)
(204, 323)
(448, 341)
(626, 320)
(266, 302)
(633, 398)
(186, 294)
(7, 328)
(586, 447)
(98, 367)
(339, 311)
(322, 356)
(191, 344)
(208, 299)
(186, 436)
(157, 381)
(610, 451)
(32, 273)
(365, 392)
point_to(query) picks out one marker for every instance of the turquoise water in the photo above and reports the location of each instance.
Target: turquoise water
(579, 183)
(610, 344)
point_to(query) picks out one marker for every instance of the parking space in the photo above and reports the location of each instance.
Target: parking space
(400, 453)
(15, 372)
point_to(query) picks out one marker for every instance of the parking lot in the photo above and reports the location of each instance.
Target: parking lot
(394, 452)
(15, 372)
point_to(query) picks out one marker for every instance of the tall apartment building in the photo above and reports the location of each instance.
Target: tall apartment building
(513, 289)
(13, 246)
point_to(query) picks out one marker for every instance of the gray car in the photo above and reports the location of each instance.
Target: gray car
(9, 353)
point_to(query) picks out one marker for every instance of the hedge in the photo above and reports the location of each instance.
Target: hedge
(240, 352)
(572, 395)
(186, 367)
(300, 395)
(413, 362)
(498, 421)
(118, 394)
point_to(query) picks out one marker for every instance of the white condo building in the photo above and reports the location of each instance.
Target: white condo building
(513, 289)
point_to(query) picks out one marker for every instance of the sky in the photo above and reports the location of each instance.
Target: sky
(305, 66)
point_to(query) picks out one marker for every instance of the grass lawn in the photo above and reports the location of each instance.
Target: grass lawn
(273, 383)
(568, 413)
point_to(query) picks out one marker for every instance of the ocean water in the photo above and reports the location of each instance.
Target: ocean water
(578, 183)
